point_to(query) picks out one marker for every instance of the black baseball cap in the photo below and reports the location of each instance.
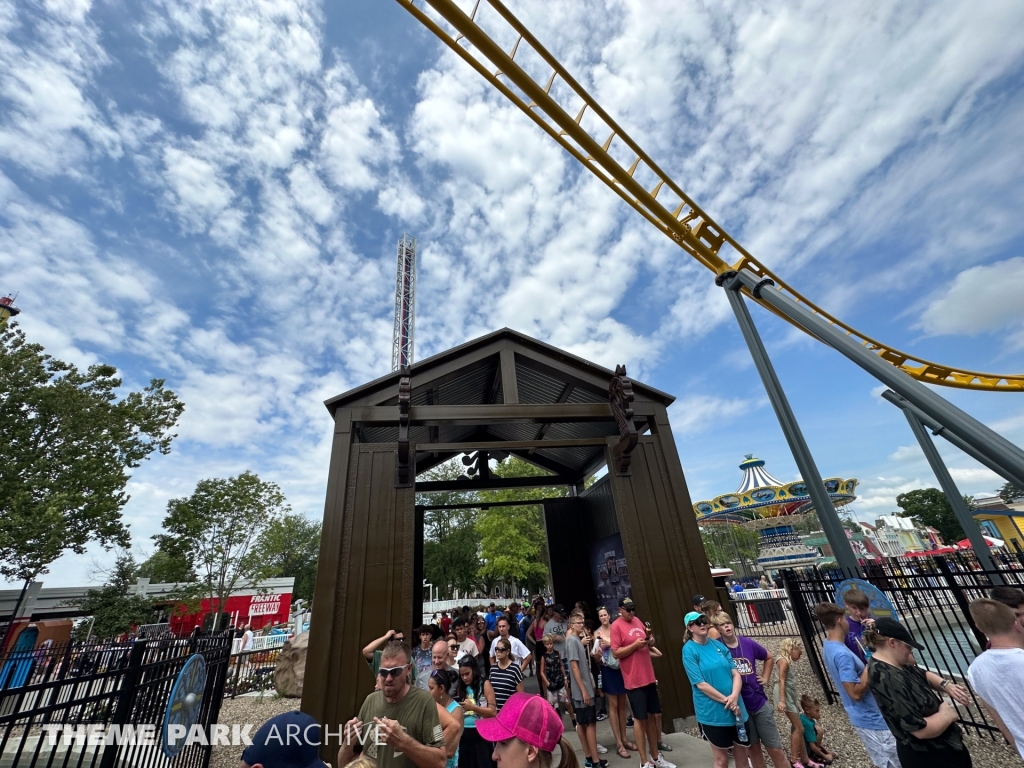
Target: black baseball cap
(559, 609)
(698, 599)
(887, 627)
(275, 746)
(627, 603)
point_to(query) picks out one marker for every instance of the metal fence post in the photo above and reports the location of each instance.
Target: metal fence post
(961, 599)
(125, 698)
(806, 627)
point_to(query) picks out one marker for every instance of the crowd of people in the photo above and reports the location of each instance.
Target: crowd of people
(456, 699)
(902, 713)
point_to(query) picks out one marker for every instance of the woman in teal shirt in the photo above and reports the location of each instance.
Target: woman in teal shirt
(716, 691)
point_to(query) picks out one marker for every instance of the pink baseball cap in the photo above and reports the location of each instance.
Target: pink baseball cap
(527, 717)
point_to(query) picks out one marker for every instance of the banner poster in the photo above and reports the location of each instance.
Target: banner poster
(608, 569)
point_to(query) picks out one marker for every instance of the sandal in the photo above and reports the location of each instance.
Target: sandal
(632, 747)
(623, 752)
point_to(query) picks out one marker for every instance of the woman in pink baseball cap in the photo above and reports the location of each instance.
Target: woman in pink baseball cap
(525, 733)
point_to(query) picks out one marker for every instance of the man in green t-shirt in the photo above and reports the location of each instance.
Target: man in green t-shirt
(373, 650)
(398, 724)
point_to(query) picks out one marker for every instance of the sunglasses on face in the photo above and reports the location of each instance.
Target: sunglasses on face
(453, 646)
(503, 650)
(700, 622)
(391, 671)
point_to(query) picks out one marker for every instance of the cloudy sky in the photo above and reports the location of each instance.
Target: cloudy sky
(210, 192)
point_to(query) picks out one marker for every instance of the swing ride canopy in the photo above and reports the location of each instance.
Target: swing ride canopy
(761, 496)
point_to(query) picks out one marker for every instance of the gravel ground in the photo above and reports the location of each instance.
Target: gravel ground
(839, 736)
(247, 709)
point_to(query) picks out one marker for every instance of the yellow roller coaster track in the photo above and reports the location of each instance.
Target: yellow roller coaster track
(597, 141)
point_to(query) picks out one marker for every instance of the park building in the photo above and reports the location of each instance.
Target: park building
(883, 540)
(1001, 520)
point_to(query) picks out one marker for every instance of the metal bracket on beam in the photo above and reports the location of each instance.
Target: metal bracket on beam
(404, 475)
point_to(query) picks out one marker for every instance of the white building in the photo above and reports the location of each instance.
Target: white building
(886, 540)
(904, 529)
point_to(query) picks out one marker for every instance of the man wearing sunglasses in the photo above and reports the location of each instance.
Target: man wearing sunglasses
(398, 725)
(631, 645)
(373, 651)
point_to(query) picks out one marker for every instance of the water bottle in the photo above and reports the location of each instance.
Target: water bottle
(741, 729)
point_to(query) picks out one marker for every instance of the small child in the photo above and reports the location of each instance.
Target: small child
(858, 610)
(552, 674)
(812, 731)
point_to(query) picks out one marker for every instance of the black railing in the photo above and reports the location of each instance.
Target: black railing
(762, 613)
(931, 597)
(50, 700)
(251, 671)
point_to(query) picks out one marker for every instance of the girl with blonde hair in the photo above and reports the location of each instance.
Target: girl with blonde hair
(787, 699)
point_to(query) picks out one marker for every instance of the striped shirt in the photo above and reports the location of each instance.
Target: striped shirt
(504, 682)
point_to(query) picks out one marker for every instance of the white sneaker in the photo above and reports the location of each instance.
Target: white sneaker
(602, 749)
(648, 764)
(661, 762)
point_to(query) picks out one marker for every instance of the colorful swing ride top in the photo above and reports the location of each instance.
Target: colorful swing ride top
(770, 506)
(762, 498)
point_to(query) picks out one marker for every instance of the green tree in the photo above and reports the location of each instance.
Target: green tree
(513, 542)
(929, 507)
(67, 446)
(113, 606)
(1010, 493)
(729, 544)
(289, 546)
(164, 567)
(451, 543)
(216, 527)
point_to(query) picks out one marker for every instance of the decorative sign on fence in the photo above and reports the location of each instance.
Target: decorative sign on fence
(880, 606)
(184, 705)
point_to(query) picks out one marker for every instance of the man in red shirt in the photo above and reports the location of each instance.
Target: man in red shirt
(446, 622)
(631, 645)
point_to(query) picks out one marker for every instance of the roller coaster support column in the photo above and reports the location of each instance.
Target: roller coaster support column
(985, 441)
(834, 531)
(953, 496)
(937, 429)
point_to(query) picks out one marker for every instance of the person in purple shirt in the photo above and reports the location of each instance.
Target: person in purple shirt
(761, 715)
(858, 614)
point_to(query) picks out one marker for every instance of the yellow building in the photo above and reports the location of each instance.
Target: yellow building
(1001, 520)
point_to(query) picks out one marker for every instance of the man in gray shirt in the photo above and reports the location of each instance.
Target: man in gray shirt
(581, 684)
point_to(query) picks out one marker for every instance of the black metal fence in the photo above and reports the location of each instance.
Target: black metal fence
(251, 671)
(762, 613)
(931, 596)
(60, 705)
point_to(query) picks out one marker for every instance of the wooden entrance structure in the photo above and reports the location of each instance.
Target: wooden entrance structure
(509, 393)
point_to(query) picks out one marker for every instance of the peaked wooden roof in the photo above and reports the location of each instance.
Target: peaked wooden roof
(502, 368)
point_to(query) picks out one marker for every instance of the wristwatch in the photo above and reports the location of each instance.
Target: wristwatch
(944, 683)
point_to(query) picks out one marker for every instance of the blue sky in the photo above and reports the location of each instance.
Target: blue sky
(211, 192)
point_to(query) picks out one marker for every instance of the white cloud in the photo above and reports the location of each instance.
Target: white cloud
(696, 413)
(983, 298)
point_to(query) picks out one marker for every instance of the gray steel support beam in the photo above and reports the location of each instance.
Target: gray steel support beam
(938, 429)
(984, 440)
(953, 496)
(834, 531)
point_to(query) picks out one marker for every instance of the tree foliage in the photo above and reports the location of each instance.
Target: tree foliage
(1009, 493)
(929, 507)
(113, 606)
(289, 546)
(163, 567)
(513, 541)
(67, 446)
(451, 543)
(215, 528)
(729, 544)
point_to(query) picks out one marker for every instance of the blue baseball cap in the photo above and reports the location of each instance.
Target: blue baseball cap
(290, 740)
(693, 616)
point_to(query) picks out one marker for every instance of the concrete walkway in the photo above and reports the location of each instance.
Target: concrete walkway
(687, 751)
